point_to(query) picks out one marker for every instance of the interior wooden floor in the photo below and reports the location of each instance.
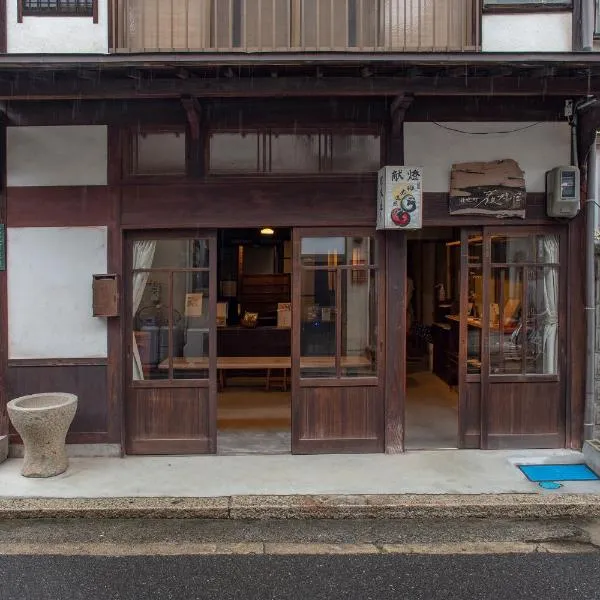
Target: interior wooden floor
(431, 412)
(252, 420)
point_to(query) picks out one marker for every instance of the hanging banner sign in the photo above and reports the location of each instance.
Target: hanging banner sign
(400, 198)
(494, 188)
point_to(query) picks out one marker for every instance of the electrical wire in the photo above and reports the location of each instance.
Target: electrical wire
(486, 132)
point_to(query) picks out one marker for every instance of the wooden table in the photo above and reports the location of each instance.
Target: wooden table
(262, 363)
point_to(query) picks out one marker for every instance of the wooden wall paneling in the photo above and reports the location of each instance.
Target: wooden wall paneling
(168, 420)
(525, 415)
(251, 202)
(4, 425)
(471, 421)
(575, 393)
(60, 206)
(300, 202)
(322, 429)
(87, 381)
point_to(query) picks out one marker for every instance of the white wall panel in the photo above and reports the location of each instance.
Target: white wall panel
(533, 32)
(537, 149)
(50, 292)
(63, 155)
(57, 35)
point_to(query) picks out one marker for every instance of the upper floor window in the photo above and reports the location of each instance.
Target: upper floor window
(57, 8)
(280, 25)
(293, 152)
(526, 5)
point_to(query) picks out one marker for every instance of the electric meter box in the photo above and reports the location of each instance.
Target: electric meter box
(562, 192)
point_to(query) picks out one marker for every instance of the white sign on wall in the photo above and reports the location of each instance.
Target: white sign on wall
(400, 198)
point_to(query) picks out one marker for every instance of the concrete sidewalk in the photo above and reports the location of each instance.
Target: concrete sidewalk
(433, 472)
(458, 483)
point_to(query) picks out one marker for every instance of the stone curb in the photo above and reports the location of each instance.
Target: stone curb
(501, 506)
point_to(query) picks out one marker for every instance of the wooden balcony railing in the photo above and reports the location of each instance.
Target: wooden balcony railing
(294, 25)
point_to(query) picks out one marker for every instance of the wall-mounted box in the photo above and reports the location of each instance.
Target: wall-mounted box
(105, 300)
(562, 192)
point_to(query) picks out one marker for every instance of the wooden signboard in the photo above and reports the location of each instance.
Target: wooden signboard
(494, 188)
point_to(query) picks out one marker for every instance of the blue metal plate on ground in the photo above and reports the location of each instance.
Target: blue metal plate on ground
(550, 485)
(579, 472)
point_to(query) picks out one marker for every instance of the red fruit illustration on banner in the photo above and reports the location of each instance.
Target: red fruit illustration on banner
(400, 217)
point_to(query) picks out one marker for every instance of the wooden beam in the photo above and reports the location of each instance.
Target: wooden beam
(193, 110)
(398, 109)
(230, 112)
(487, 108)
(26, 88)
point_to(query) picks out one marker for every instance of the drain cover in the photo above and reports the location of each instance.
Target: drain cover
(578, 472)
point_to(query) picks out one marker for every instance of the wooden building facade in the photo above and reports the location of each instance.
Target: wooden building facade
(106, 157)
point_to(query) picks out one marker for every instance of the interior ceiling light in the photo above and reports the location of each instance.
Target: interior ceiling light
(267, 231)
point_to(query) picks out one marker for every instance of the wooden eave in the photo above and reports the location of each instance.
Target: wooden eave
(236, 75)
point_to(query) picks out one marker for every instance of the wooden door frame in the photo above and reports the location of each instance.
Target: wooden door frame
(563, 335)
(463, 376)
(130, 237)
(377, 381)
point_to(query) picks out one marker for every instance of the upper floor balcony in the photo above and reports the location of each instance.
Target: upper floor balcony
(294, 25)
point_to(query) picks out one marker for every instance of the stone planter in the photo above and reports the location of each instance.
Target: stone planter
(42, 421)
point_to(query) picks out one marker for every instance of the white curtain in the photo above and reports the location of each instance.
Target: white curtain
(550, 331)
(143, 256)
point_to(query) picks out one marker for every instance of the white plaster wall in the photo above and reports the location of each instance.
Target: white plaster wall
(537, 149)
(50, 292)
(534, 32)
(57, 35)
(57, 155)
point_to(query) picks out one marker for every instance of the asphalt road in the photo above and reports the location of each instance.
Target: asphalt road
(414, 577)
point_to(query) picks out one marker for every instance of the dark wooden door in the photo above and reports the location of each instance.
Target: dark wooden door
(524, 338)
(338, 358)
(170, 342)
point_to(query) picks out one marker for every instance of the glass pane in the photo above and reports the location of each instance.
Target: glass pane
(359, 323)
(474, 315)
(160, 153)
(355, 153)
(475, 249)
(506, 341)
(234, 152)
(151, 300)
(150, 344)
(295, 153)
(318, 324)
(191, 322)
(517, 249)
(541, 340)
(337, 251)
(180, 254)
